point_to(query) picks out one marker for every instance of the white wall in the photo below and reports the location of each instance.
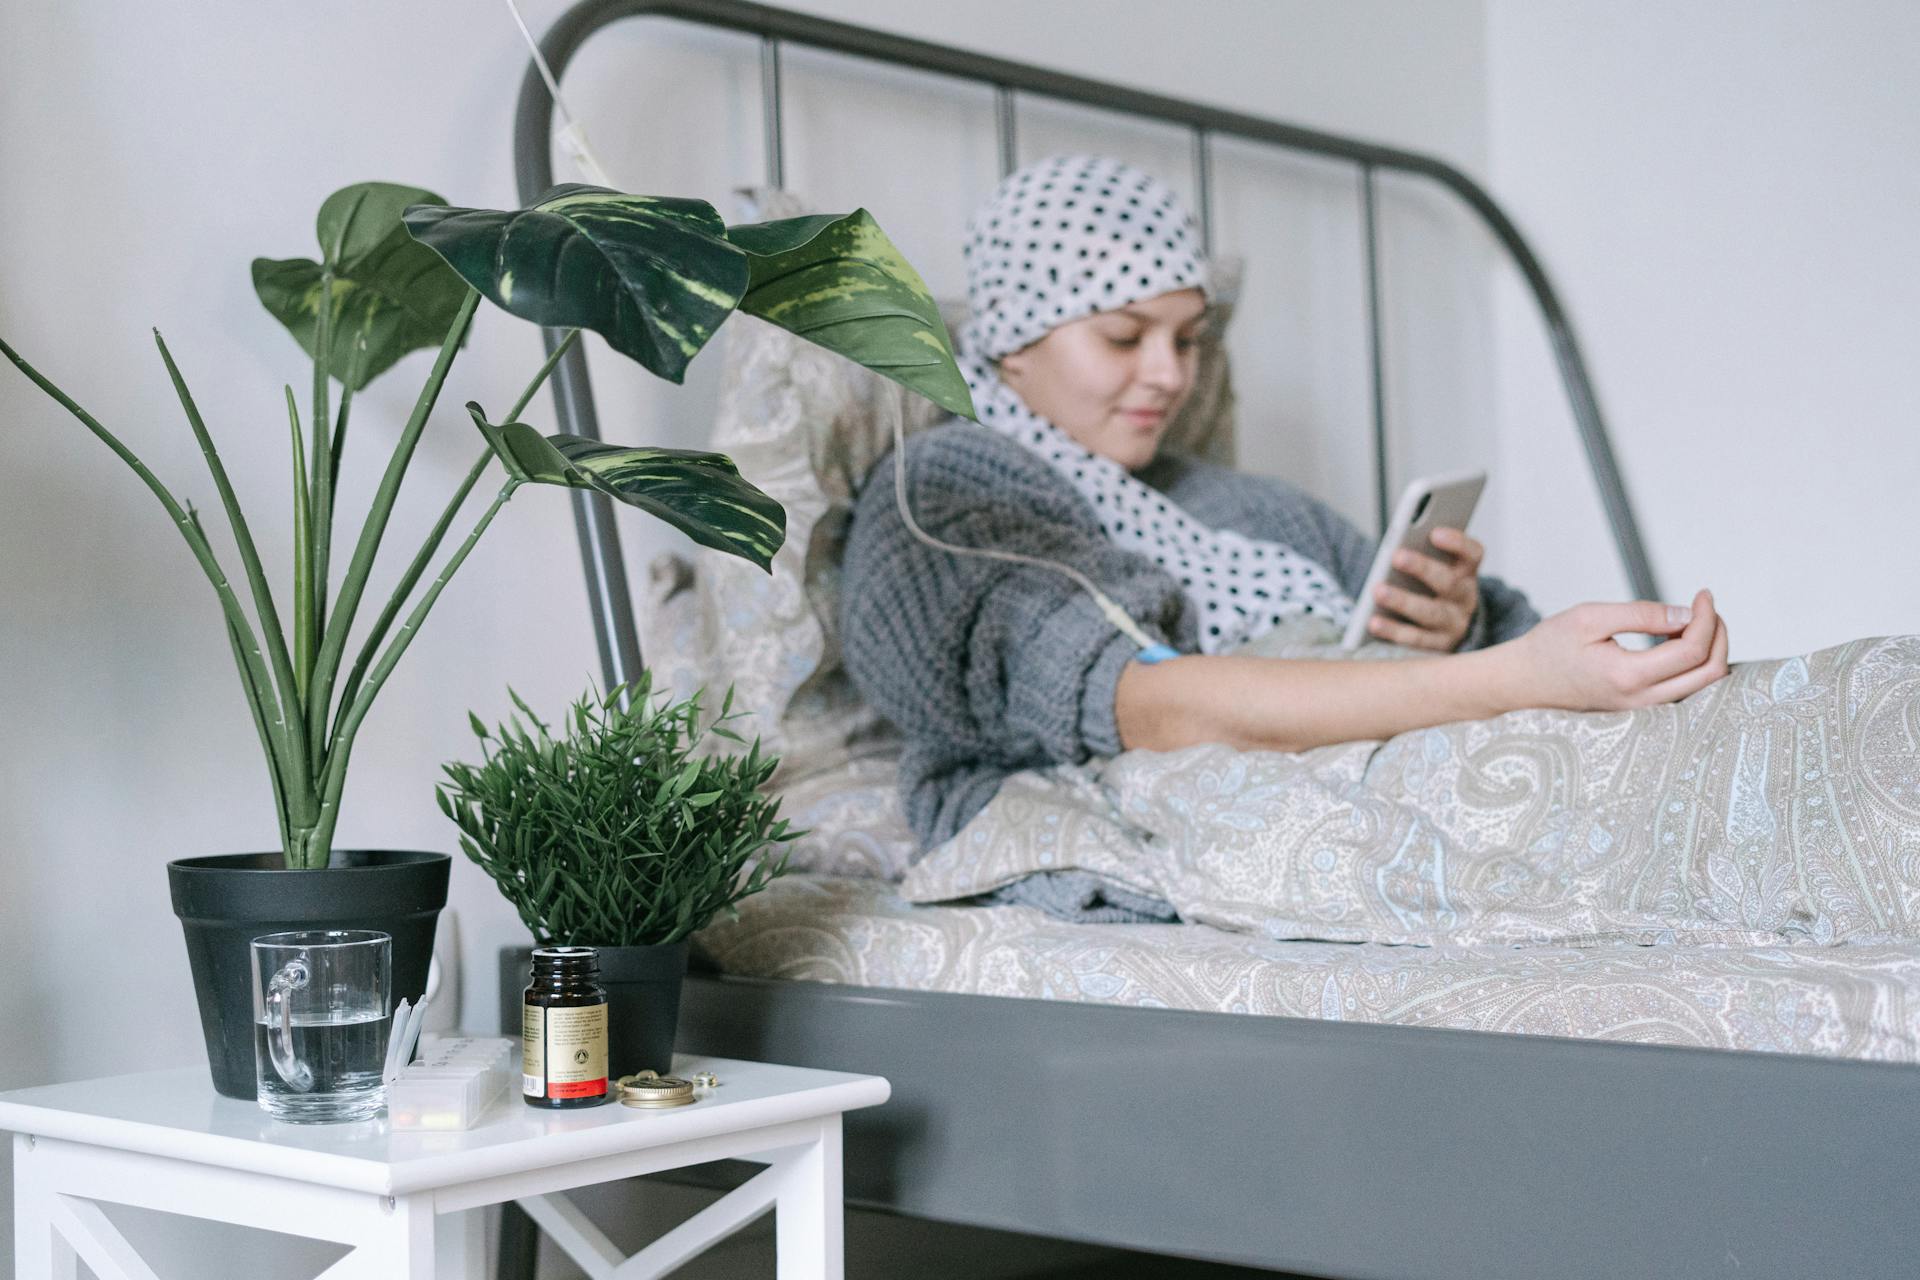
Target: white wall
(1722, 192)
(152, 150)
(1725, 193)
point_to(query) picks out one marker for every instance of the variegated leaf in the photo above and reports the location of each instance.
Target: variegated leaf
(391, 295)
(652, 275)
(700, 494)
(838, 281)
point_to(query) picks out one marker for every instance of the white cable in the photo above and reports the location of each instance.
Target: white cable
(572, 134)
(1114, 613)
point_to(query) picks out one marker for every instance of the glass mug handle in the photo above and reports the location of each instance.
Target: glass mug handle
(293, 976)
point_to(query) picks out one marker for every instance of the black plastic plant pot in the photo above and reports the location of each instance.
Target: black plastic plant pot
(643, 1001)
(643, 1005)
(226, 901)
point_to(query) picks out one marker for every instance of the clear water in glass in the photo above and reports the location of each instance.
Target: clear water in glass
(343, 1057)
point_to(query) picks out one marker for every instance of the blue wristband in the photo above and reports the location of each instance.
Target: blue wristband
(1157, 653)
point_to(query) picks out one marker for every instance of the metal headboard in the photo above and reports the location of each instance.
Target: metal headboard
(620, 658)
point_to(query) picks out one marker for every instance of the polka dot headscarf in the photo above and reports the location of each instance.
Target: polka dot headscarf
(1067, 237)
(1062, 239)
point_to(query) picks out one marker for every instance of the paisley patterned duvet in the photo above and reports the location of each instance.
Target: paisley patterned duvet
(1740, 870)
(1834, 1001)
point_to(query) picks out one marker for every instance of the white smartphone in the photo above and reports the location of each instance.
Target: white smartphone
(1433, 503)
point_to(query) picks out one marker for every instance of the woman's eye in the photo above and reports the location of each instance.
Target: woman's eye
(1186, 344)
(1123, 343)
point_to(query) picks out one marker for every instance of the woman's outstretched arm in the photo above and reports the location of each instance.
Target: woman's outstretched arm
(1570, 661)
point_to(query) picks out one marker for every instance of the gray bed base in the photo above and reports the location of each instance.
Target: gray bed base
(1346, 1149)
(1330, 1149)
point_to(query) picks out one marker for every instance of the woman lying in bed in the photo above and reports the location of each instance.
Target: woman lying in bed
(1087, 296)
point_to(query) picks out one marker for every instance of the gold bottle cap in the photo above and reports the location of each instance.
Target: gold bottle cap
(650, 1089)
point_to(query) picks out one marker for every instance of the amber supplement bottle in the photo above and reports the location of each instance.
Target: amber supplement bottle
(563, 1030)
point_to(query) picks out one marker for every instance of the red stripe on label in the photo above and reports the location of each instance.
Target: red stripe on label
(578, 1088)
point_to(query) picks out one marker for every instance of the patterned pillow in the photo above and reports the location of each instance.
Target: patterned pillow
(806, 426)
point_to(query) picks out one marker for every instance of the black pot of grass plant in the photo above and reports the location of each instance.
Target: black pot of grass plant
(627, 833)
(400, 271)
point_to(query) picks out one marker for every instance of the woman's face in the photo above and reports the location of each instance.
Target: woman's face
(1113, 380)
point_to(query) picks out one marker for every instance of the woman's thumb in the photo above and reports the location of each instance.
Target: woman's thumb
(1649, 617)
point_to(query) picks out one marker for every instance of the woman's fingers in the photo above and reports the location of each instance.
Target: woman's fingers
(1425, 610)
(1440, 577)
(1600, 621)
(1691, 682)
(1412, 637)
(1681, 654)
(1469, 549)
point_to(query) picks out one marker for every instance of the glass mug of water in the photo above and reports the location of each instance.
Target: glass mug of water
(320, 1022)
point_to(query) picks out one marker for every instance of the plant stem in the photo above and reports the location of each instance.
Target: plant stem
(274, 764)
(335, 452)
(260, 684)
(340, 434)
(424, 557)
(354, 584)
(266, 741)
(342, 746)
(289, 761)
(404, 588)
(320, 504)
(539, 378)
(302, 561)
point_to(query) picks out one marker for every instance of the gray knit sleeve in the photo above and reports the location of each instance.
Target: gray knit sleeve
(987, 667)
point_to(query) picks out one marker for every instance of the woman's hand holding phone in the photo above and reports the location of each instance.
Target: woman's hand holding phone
(1439, 621)
(1572, 660)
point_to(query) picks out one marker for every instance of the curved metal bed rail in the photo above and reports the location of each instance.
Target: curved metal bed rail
(533, 169)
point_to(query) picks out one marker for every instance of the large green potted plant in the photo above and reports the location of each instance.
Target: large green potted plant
(399, 270)
(624, 833)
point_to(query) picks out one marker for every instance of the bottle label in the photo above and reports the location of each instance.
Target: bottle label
(576, 1052)
(533, 1052)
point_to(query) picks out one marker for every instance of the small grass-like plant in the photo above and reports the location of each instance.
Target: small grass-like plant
(623, 832)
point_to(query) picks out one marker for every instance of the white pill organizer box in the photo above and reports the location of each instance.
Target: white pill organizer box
(453, 1082)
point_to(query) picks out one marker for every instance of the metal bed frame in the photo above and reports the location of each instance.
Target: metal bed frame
(573, 393)
(1322, 1148)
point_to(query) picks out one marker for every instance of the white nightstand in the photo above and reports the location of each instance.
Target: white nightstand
(407, 1203)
